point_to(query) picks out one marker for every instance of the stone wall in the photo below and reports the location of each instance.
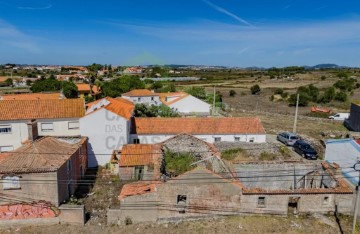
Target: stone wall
(72, 214)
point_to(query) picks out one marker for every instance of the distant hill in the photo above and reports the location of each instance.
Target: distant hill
(326, 66)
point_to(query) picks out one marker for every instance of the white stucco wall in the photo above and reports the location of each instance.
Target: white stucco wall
(157, 138)
(19, 133)
(148, 100)
(61, 127)
(345, 153)
(190, 104)
(106, 132)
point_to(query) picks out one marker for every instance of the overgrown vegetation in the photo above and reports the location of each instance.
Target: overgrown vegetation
(267, 156)
(51, 85)
(143, 110)
(116, 87)
(231, 154)
(178, 163)
(255, 89)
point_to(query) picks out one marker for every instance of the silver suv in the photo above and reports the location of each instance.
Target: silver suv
(288, 138)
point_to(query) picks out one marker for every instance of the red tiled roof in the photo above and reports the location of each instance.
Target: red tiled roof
(140, 154)
(86, 88)
(41, 109)
(233, 125)
(139, 93)
(31, 96)
(119, 106)
(46, 154)
(138, 188)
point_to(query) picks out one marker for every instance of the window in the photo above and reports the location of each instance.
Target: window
(139, 99)
(11, 182)
(68, 166)
(252, 139)
(181, 203)
(6, 148)
(74, 125)
(136, 141)
(261, 201)
(47, 127)
(152, 98)
(217, 139)
(237, 139)
(326, 200)
(5, 129)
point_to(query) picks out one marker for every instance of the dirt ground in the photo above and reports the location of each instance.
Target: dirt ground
(245, 224)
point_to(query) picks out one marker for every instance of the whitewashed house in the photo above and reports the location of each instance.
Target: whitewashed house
(51, 117)
(185, 104)
(211, 130)
(107, 126)
(345, 153)
(142, 96)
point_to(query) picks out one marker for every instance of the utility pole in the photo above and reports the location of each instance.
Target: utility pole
(214, 101)
(296, 113)
(356, 168)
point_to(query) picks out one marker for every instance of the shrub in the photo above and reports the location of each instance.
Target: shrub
(279, 91)
(255, 89)
(340, 96)
(231, 154)
(323, 78)
(266, 156)
(272, 98)
(303, 99)
(284, 95)
(232, 93)
(328, 95)
(128, 221)
(178, 163)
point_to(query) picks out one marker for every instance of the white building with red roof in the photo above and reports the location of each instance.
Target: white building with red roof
(107, 125)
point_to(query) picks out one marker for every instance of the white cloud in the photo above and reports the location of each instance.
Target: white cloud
(226, 12)
(35, 8)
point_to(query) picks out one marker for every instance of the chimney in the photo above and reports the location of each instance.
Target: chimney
(32, 130)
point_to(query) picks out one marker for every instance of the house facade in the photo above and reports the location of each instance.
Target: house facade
(85, 90)
(185, 104)
(107, 125)
(345, 153)
(57, 117)
(211, 130)
(46, 169)
(200, 193)
(142, 96)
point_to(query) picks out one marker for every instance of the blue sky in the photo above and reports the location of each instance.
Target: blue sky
(207, 32)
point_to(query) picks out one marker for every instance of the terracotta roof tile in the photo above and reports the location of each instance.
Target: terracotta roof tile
(46, 154)
(31, 96)
(233, 125)
(140, 154)
(86, 88)
(119, 106)
(41, 109)
(139, 93)
(138, 188)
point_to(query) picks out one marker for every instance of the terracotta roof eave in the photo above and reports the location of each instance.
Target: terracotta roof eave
(29, 171)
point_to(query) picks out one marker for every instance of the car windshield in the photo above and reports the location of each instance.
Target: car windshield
(293, 138)
(306, 146)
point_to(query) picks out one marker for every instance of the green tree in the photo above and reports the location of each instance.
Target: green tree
(328, 95)
(255, 89)
(9, 82)
(43, 85)
(232, 93)
(116, 87)
(28, 82)
(279, 91)
(196, 91)
(143, 110)
(303, 99)
(69, 89)
(340, 96)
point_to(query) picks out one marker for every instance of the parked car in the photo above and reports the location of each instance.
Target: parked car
(305, 150)
(340, 116)
(287, 138)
